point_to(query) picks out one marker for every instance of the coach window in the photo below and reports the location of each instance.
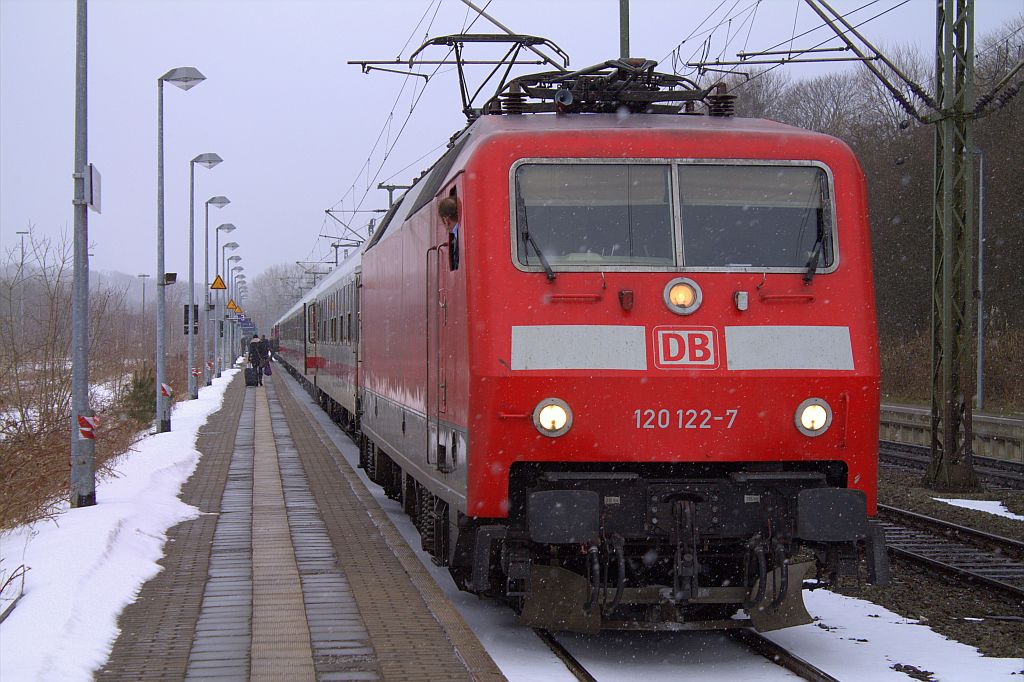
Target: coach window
(334, 319)
(755, 216)
(594, 214)
(348, 313)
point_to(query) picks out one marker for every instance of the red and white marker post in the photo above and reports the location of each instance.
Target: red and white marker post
(87, 427)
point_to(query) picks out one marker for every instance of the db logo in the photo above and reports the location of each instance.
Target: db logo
(685, 348)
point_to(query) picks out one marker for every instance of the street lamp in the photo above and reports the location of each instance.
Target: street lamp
(209, 160)
(236, 277)
(143, 278)
(21, 299)
(22, 233)
(231, 295)
(218, 331)
(219, 202)
(185, 77)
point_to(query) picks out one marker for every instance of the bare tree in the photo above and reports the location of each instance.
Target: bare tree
(274, 291)
(761, 95)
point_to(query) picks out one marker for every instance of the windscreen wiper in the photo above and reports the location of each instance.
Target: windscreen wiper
(524, 228)
(812, 262)
(823, 234)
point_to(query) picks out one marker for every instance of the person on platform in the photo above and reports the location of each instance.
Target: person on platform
(257, 356)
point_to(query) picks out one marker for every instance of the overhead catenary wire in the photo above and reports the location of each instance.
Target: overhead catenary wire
(751, 9)
(759, 74)
(385, 133)
(415, 102)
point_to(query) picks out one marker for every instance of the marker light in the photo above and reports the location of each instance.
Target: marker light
(813, 417)
(682, 295)
(552, 417)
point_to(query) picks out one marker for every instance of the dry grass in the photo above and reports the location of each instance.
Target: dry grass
(906, 370)
(35, 468)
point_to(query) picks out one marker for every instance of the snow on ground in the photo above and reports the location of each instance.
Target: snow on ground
(851, 639)
(989, 506)
(103, 395)
(88, 564)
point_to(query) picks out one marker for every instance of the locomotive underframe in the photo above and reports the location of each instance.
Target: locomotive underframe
(670, 546)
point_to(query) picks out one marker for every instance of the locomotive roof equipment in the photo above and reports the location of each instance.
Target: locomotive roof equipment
(629, 84)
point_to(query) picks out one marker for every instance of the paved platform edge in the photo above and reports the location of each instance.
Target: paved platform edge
(463, 640)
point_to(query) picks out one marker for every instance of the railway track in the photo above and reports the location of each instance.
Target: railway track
(563, 654)
(965, 554)
(752, 640)
(998, 472)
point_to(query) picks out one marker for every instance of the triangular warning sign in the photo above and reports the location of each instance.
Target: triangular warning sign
(218, 283)
(232, 306)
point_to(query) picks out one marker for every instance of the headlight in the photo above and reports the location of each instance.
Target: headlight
(813, 417)
(682, 295)
(552, 417)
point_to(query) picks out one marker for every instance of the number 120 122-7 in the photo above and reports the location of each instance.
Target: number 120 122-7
(682, 419)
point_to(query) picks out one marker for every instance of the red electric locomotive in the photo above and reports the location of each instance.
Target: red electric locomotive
(634, 381)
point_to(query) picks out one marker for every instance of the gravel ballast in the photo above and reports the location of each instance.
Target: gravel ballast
(965, 614)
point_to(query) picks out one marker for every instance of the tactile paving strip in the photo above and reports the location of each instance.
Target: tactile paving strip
(341, 646)
(280, 633)
(415, 632)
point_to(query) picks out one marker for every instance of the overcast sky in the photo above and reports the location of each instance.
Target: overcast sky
(294, 123)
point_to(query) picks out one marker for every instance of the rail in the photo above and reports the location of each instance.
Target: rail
(964, 554)
(780, 656)
(751, 639)
(1000, 473)
(570, 661)
(994, 436)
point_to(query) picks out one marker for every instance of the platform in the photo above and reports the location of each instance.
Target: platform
(291, 572)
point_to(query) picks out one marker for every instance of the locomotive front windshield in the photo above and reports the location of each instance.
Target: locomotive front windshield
(673, 214)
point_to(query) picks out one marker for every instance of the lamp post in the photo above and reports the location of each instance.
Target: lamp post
(185, 77)
(209, 160)
(219, 202)
(22, 233)
(231, 294)
(143, 278)
(218, 326)
(142, 335)
(21, 299)
(239, 283)
(83, 447)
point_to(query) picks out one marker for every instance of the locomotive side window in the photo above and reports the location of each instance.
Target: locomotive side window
(595, 214)
(755, 215)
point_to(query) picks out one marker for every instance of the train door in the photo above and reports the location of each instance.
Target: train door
(311, 340)
(356, 341)
(439, 267)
